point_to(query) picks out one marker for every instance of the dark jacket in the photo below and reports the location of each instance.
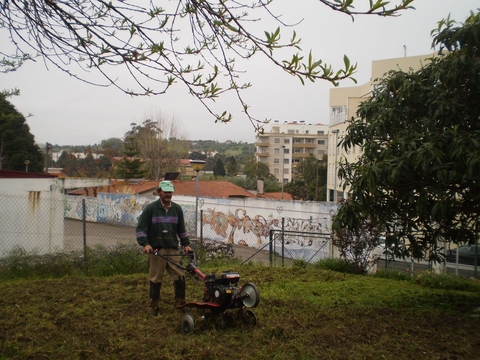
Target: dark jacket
(160, 227)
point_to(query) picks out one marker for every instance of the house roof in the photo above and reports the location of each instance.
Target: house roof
(275, 196)
(211, 188)
(12, 174)
(206, 188)
(119, 186)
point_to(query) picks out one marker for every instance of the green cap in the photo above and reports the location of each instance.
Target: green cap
(166, 186)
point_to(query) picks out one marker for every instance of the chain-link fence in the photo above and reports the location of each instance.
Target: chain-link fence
(465, 267)
(42, 225)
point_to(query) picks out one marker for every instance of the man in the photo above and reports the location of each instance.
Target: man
(159, 227)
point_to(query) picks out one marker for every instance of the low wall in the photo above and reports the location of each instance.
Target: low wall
(244, 222)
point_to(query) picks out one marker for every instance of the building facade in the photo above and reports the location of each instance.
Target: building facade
(289, 143)
(344, 103)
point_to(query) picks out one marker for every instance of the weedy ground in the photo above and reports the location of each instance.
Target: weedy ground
(304, 313)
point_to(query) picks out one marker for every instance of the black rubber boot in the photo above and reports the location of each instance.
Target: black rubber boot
(180, 291)
(154, 298)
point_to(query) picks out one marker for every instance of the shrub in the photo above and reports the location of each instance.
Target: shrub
(339, 265)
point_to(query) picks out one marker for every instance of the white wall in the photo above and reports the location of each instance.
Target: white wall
(31, 214)
(239, 221)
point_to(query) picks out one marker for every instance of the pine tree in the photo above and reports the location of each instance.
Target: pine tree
(16, 142)
(219, 168)
(130, 167)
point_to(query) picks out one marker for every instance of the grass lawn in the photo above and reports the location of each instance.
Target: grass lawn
(304, 313)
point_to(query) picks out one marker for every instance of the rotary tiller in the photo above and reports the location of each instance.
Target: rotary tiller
(221, 293)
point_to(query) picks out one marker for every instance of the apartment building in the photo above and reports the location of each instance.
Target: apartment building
(344, 103)
(287, 144)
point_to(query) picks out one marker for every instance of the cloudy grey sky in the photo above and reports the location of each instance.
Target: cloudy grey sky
(69, 112)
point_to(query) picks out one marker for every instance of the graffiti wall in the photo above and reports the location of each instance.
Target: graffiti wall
(244, 222)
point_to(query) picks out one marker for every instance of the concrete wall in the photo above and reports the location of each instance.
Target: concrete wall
(31, 214)
(237, 221)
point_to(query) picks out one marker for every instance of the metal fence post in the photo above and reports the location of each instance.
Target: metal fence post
(84, 223)
(201, 230)
(270, 246)
(475, 264)
(283, 241)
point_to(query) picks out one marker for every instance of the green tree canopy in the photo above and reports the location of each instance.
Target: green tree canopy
(310, 182)
(419, 173)
(257, 170)
(231, 166)
(160, 143)
(16, 142)
(219, 168)
(130, 167)
(115, 145)
(190, 42)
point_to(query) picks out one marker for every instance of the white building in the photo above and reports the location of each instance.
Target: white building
(32, 210)
(287, 144)
(344, 103)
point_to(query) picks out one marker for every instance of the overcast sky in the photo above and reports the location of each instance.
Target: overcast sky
(69, 112)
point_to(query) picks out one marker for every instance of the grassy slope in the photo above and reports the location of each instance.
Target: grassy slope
(303, 314)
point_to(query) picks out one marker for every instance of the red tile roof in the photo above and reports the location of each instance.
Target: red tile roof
(276, 196)
(120, 187)
(206, 188)
(13, 174)
(210, 188)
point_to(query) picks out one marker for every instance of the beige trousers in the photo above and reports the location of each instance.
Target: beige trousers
(157, 266)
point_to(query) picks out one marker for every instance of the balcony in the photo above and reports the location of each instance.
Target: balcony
(261, 154)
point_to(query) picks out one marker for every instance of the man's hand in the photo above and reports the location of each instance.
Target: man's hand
(187, 249)
(147, 249)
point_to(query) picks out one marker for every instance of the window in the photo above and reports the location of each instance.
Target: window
(306, 131)
(336, 110)
(321, 142)
(286, 151)
(286, 141)
(286, 161)
(291, 132)
(276, 171)
(276, 151)
(320, 132)
(276, 161)
(276, 140)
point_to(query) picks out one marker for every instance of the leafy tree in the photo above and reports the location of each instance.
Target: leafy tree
(195, 155)
(17, 144)
(62, 161)
(113, 144)
(160, 46)
(161, 144)
(356, 246)
(219, 169)
(231, 166)
(310, 182)
(70, 163)
(419, 173)
(298, 189)
(257, 170)
(91, 166)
